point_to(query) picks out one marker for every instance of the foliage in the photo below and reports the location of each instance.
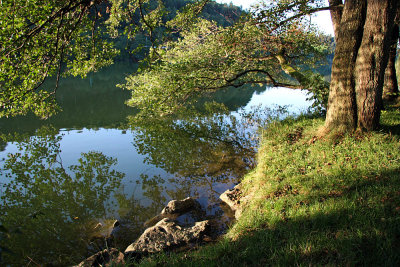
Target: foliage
(209, 57)
(40, 39)
(60, 38)
(314, 202)
(76, 37)
(318, 91)
(136, 45)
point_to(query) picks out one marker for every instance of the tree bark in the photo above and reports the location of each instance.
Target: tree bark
(361, 56)
(372, 60)
(342, 110)
(390, 87)
(336, 15)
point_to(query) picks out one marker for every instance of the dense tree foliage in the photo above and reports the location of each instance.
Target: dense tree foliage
(277, 40)
(59, 38)
(208, 58)
(39, 39)
(271, 45)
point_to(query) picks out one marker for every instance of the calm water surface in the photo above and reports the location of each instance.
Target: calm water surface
(93, 163)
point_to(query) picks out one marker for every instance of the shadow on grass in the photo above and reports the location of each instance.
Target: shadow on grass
(391, 129)
(358, 226)
(390, 120)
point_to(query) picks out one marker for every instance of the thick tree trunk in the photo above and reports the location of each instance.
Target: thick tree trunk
(390, 86)
(336, 15)
(342, 111)
(372, 61)
(361, 56)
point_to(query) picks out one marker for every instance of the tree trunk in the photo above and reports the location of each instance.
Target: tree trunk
(336, 15)
(372, 61)
(390, 87)
(342, 111)
(361, 56)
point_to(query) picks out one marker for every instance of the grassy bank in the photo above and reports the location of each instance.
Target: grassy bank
(314, 201)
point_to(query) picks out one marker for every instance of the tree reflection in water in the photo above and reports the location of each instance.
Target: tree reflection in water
(49, 210)
(202, 150)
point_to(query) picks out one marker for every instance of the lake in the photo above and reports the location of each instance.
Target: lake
(64, 181)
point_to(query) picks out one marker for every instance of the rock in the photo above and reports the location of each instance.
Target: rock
(151, 222)
(107, 257)
(181, 206)
(233, 197)
(166, 235)
(177, 208)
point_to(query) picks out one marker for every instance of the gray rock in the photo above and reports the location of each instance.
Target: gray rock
(166, 235)
(107, 257)
(181, 206)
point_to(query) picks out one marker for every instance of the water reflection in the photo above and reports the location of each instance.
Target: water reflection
(93, 103)
(53, 200)
(205, 153)
(96, 103)
(49, 209)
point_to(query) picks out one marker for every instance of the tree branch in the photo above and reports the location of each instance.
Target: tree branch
(37, 29)
(308, 12)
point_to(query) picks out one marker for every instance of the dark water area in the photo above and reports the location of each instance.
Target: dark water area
(64, 181)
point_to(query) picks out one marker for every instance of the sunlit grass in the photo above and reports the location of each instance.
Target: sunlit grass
(315, 201)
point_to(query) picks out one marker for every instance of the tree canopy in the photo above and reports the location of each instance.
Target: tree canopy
(274, 44)
(208, 58)
(75, 37)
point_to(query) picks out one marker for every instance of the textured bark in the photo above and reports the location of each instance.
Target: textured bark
(336, 15)
(390, 87)
(372, 61)
(342, 111)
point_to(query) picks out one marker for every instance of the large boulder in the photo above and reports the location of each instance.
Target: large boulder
(167, 235)
(107, 257)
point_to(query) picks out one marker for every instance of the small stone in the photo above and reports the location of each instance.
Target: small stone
(235, 200)
(181, 206)
(107, 257)
(232, 197)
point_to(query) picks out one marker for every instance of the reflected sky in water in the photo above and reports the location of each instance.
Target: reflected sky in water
(295, 99)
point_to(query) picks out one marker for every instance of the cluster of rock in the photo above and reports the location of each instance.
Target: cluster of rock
(165, 233)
